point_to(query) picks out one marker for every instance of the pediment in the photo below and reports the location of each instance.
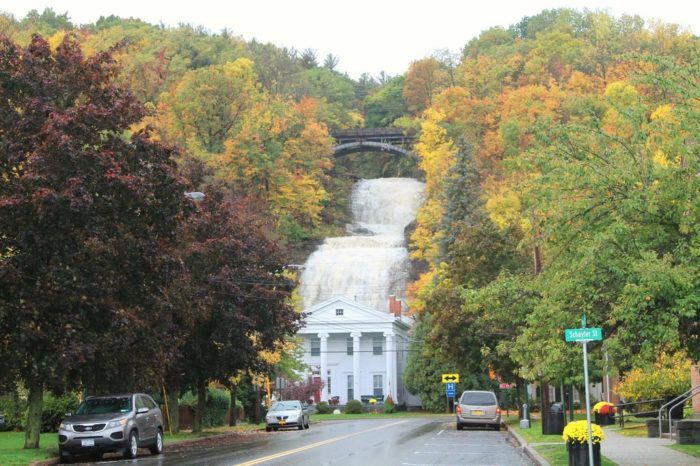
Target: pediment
(325, 312)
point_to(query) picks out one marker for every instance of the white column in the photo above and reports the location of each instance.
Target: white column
(390, 350)
(356, 364)
(324, 365)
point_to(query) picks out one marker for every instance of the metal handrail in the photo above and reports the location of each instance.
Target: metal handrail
(621, 414)
(675, 403)
(692, 393)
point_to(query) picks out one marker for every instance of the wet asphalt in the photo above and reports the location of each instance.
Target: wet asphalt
(402, 442)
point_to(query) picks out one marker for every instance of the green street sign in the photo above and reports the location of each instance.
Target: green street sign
(583, 334)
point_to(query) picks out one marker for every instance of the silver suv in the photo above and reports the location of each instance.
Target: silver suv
(114, 423)
(478, 408)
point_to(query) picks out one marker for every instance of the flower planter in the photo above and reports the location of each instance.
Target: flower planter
(604, 419)
(578, 454)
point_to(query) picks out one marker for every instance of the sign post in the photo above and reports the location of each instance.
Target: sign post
(584, 335)
(450, 381)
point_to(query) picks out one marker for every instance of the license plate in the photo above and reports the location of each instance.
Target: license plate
(478, 412)
(87, 443)
(283, 422)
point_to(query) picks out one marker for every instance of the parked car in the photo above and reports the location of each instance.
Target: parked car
(480, 408)
(287, 414)
(114, 423)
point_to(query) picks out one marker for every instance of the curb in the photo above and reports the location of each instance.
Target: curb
(186, 441)
(529, 451)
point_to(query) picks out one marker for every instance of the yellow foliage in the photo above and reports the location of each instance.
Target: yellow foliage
(669, 375)
(577, 432)
(504, 208)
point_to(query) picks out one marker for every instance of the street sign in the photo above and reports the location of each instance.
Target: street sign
(583, 334)
(450, 393)
(447, 378)
(450, 387)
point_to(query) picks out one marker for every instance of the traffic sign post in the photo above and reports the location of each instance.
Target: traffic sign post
(584, 335)
(450, 381)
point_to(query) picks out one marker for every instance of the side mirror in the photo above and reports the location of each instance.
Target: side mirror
(141, 410)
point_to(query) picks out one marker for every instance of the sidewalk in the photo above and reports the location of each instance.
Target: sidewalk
(643, 451)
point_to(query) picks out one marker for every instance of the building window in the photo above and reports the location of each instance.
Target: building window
(378, 380)
(339, 312)
(315, 347)
(351, 387)
(329, 382)
(377, 345)
(350, 350)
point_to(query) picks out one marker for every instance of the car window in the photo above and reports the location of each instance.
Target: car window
(104, 405)
(284, 405)
(140, 403)
(150, 404)
(478, 399)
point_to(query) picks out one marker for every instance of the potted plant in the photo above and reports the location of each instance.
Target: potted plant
(604, 413)
(576, 438)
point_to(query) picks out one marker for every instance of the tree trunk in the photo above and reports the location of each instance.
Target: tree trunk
(201, 405)
(520, 389)
(544, 396)
(257, 414)
(35, 408)
(174, 407)
(234, 412)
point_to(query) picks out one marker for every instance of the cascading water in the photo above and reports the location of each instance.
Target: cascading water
(372, 263)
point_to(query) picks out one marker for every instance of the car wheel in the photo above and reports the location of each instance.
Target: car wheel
(64, 456)
(460, 426)
(157, 447)
(268, 429)
(275, 429)
(497, 427)
(132, 446)
(308, 423)
(301, 424)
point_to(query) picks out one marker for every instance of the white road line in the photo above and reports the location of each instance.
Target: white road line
(463, 453)
(465, 444)
(440, 432)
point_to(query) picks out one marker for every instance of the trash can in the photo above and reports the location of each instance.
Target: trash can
(555, 420)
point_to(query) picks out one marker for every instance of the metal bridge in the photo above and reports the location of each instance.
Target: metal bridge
(373, 140)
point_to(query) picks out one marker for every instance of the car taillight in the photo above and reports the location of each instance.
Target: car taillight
(458, 409)
(498, 411)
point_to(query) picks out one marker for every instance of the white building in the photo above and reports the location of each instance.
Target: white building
(360, 351)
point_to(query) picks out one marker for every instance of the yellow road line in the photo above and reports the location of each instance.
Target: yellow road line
(314, 445)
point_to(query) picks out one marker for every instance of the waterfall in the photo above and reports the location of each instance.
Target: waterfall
(372, 262)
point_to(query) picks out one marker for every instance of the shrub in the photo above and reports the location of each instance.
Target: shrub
(323, 408)
(389, 406)
(668, 376)
(14, 408)
(353, 407)
(55, 409)
(215, 407)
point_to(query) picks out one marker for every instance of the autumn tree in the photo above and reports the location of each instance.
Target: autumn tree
(235, 273)
(86, 212)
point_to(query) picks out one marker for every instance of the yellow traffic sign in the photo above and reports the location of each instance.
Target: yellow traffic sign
(447, 378)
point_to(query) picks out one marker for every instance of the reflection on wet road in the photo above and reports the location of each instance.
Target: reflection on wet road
(401, 441)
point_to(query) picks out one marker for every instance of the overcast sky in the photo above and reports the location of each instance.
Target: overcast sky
(367, 35)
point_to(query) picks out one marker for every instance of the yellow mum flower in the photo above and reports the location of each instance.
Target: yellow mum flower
(577, 432)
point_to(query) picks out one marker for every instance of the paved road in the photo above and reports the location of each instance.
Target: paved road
(400, 442)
